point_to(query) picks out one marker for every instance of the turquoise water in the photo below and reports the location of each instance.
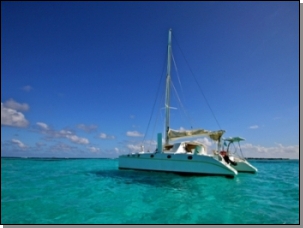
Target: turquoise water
(94, 191)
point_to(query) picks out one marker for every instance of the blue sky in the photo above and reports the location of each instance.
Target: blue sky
(80, 79)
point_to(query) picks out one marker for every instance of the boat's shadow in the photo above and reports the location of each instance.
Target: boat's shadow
(139, 177)
(153, 178)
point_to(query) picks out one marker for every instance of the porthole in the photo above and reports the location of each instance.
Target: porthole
(151, 155)
(190, 157)
(168, 156)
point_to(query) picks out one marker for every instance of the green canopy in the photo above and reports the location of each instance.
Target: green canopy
(234, 139)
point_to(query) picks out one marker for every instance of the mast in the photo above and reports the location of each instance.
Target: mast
(167, 96)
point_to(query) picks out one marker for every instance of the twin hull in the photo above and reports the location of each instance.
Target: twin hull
(244, 166)
(179, 163)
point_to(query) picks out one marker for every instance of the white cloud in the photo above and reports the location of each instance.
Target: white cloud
(148, 145)
(105, 136)
(15, 105)
(102, 135)
(72, 137)
(134, 134)
(27, 88)
(43, 125)
(65, 132)
(254, 127)
(134, 147)
(205, 141)
(62, 134)
(94, 149)
(152, 142)
(87, 128)
(275, 151)
(76, 139)
(11, 117)
(19, 143)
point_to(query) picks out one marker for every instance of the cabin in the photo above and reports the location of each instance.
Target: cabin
(186, 147)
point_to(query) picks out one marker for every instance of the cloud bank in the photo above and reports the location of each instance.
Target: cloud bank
(271, 152)
(44, 128)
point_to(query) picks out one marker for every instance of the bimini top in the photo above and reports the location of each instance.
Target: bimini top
(214, 135)
(234, 139)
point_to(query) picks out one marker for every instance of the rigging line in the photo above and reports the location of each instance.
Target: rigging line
(155, 124)
(150, 142)
(189, 118)
(177, 73)
(198, 84)
(241, 150)
(235, 148)
(159, 85)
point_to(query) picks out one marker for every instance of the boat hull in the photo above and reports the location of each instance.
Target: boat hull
(177, 163)
(244, 166)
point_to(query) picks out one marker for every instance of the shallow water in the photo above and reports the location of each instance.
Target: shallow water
(94, 191)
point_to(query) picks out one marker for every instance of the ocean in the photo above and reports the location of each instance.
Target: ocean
(95, 191)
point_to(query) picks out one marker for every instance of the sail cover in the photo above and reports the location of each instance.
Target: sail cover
(214, 135)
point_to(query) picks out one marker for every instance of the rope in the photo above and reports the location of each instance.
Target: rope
(177, 74)
(186, 113)
(159, 85)
(241, 150)
(159, 114)
(150, 141)
(198, 84)
(181, 105)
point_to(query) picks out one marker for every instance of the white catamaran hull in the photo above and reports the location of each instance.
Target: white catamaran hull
(244, 166)
(178, 163)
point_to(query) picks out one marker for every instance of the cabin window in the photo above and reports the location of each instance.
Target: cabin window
(190, 148)
(168, 147)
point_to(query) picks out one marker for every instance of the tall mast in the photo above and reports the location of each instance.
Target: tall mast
(167, 96)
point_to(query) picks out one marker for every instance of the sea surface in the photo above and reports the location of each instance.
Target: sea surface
(95, 191)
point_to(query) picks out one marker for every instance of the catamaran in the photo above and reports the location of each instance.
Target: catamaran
(236, 158)
(186, 157)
